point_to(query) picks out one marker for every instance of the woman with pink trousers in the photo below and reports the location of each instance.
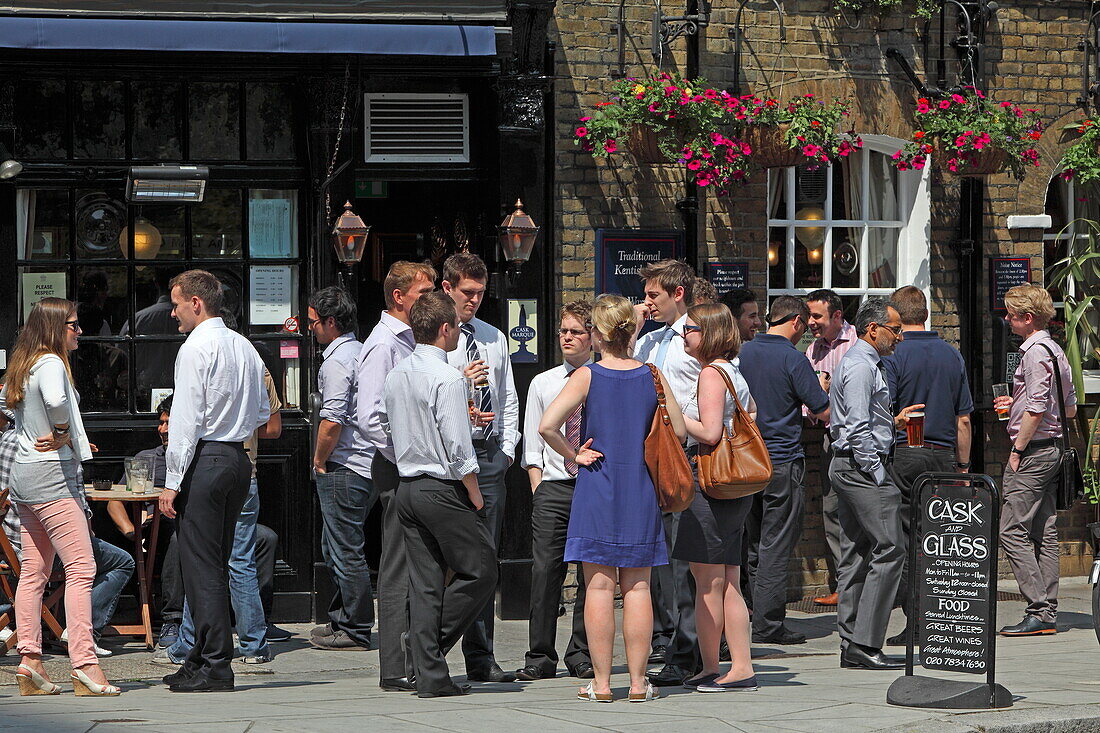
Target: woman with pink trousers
(48, 492)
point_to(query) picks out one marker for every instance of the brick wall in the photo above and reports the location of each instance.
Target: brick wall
(1032, 59)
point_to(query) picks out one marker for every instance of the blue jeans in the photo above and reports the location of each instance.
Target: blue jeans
(244, 589)
(113, 568)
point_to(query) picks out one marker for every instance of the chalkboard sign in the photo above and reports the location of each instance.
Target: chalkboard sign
(1005, 273)
(956, 571)
(725, 276)
(621, 253)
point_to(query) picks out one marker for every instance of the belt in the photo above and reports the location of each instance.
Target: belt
(848, 454)
(1035, 445)
(486, 442)
(230, 443)
(927, 445)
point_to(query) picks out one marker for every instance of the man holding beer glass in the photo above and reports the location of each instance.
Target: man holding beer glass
(925, 369)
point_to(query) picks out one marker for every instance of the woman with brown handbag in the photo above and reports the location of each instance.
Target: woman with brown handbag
(710, 531)
(615, 527)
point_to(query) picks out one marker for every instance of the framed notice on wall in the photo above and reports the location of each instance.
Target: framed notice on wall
(725, 276)
(621, 253)
(1006, 273)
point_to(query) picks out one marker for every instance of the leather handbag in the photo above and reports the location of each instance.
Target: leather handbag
(738, 464)
(665, 458)
(1070, 484)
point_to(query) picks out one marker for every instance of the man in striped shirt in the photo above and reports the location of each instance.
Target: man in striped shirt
(833, 337)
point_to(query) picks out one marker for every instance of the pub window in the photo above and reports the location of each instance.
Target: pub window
(860, 227)
(1067, 203)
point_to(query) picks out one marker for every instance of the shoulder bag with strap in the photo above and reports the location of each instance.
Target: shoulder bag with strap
(1070, 486)
(739, 464)
(665, 458)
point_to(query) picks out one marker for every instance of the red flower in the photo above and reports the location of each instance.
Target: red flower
(815, 123)
(918, 135)
(610, 146)
(1035, 134)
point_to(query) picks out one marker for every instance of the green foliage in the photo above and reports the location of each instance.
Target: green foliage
(812, 125)
(920, 8)
(1081, 161)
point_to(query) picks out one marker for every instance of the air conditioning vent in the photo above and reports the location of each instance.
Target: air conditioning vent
(417, 128)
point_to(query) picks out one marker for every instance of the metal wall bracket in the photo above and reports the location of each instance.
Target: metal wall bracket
(1089, 100)
(667, 28)
(968, 45)
(737, 34)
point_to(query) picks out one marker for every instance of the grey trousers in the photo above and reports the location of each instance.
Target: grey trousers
(1029, 533)
(830, 519)
(443, 533)
(872, 553)
(674, 602)
(773, 526)
(394, 659)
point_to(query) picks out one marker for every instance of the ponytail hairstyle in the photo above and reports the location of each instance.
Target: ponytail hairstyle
(44, 333)
(613, 319)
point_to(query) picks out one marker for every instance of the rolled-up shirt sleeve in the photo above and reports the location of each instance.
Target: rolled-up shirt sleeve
(188, 407)
(454, 427)
(533, 444)
(336, 392)
(859, 384)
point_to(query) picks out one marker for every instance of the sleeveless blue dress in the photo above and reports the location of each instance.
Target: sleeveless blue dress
(614, 518)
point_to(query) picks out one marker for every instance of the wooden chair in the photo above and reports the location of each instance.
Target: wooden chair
(9, 577)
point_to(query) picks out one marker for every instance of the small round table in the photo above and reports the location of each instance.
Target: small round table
(144, 565)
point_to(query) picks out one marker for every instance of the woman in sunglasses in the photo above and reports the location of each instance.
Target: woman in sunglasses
(47, 491)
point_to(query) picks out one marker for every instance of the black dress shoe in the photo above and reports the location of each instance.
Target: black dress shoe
(202, 683)
(453, 691)
(783, 636)
(533, 672)
(860, 657)
(1030, 626)
(397, 684)
(670, 675)
(184, 673)
(658, 655)
(493, 673)
(583, 671)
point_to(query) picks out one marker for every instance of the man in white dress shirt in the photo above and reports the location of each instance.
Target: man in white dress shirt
(390, 342)
(219, 401)
(552, 483)
(482, 355)
(668, 291)
(439, 503)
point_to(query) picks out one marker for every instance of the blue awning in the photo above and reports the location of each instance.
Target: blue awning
(116, 34)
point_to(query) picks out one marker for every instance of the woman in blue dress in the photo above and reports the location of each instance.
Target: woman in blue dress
(615, 527)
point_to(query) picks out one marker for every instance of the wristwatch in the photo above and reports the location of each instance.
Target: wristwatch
(963, 466)
(60, 431)
(1019, 451)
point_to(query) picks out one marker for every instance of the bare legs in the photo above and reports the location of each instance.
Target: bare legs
(719, 607)
(599, 621)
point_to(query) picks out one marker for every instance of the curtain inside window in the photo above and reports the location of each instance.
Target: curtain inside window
(24, 221)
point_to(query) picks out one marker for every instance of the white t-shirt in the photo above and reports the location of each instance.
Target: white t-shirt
(691, 409)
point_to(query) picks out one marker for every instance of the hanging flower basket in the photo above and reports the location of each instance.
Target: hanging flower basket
(986, 162)
(643, 144)
(769, 148)
(1081, 160)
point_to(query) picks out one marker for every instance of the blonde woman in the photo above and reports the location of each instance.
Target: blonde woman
(709, 537)
(615, 528)
(47, 492)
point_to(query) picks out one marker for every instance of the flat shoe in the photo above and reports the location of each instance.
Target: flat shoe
(749, 684)
(649, 694)
(589, 695)
(703, 680)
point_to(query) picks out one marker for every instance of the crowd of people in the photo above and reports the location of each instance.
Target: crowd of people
(423, 416)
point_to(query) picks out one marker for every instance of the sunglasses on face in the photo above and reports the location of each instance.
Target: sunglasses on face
(896, 330)
(688, 328)
(571, 332)
(73, 325)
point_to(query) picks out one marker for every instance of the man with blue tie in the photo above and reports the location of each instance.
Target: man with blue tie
(482, 357)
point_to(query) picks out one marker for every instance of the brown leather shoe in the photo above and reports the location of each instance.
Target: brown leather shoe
(829, 600)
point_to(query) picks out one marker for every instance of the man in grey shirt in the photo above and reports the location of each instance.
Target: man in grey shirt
(425, 411)
(871, 547)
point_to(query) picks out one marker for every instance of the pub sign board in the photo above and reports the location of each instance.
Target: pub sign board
(1005, 273)
(725, 276)
(621, 253)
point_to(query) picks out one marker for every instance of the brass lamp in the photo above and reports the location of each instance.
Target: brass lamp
(349, 236)
(517, 234)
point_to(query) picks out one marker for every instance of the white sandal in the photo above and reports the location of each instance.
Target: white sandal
(649, 694)
(589, 695)
(83, 686)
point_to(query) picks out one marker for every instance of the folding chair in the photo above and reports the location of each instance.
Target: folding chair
(9, 576)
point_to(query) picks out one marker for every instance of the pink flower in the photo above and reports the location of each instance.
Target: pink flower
(1067, 174)
(923, 108)
(585, 119)
(958, 99)
(710, 94)
(1005, 104)
(582, 131)
(811, 151)
(653, 107)
(687, 154)
(746, 149)
(610, 146)
(945, 104)
(695, 165)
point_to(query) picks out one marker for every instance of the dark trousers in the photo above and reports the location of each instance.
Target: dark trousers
(210, 500)
(549, 525)
(443, 533)
(830, 518)
(477, 642)
(871, 553)
(773, 527)
(171, 579)
(346, 499)
(674, 603)
(394, 659)
(906, 468)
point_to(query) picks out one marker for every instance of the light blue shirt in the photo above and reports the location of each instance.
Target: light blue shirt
(389, 343)
(338, 382)
(426, 413)
(493, 348)
(861, 420)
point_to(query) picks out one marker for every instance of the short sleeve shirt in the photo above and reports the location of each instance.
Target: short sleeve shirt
(926, 370)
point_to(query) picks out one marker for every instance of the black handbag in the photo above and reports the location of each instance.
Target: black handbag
(1070, 485)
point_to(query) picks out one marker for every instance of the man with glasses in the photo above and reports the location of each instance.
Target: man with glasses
(872, 551)
(552, 482)
(781, 382)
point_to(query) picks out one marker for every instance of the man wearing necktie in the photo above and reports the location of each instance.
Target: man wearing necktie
(553, 479)
(482, 356)
(872, 551)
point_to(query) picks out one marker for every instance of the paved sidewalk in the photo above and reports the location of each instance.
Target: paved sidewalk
(803, 689)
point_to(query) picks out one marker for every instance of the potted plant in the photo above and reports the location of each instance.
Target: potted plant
(719, 163)
(1081, 160)
(968, 135)
(654, 118)
(803, 131)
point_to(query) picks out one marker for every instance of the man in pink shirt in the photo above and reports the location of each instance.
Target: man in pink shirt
(1035, 426)
(834, 336)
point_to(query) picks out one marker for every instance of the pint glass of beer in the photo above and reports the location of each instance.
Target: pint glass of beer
(1001, 390)
(914, 429)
